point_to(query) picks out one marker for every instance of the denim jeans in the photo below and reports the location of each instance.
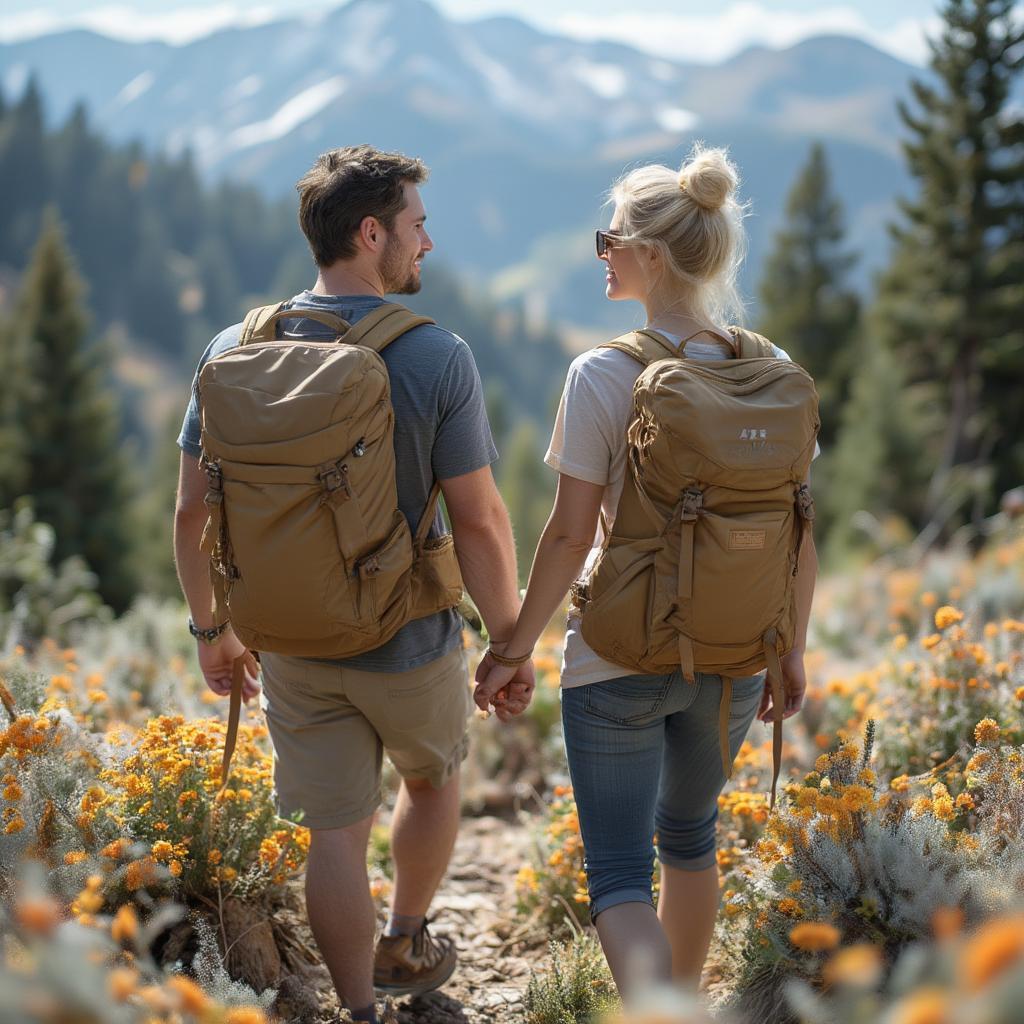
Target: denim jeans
(644, 757)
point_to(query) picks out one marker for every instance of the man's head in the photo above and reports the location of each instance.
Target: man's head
(358, 203)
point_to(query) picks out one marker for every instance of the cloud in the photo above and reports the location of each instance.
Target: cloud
(711, 38)
(705, 38)
(178, 26)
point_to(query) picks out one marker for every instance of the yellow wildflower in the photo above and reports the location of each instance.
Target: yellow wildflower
(191, 998)
(122, 982)
(986, 731)
(946, 616)
(930, 642)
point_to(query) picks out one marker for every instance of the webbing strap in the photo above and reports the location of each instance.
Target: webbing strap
(427, 519)
(686, 658)
(234, 711)
(775, 681)
(685, 589)
(724, 707)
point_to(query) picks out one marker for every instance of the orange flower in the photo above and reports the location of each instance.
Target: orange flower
(814, 936)
(947, 616)
(926, 1006)
(122, 983)
(245, 1015)
(858, 966)
(931, 641)
(994, 947)
(947, 922)
(125, 926)
(191, 998)
(38, 914)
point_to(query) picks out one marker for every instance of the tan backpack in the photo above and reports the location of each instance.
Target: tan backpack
(698, 570)
(309, 552)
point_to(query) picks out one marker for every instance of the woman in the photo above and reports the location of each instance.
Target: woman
(643, 751)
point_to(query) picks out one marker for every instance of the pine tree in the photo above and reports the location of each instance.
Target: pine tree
(807, 307)
(76, 475)
(24, 175)
(952, 304)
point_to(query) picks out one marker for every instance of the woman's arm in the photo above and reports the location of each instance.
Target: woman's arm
(563, 548)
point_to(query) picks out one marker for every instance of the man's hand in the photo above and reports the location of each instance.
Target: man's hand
(217, 661)
(794, 685)
(508, 690)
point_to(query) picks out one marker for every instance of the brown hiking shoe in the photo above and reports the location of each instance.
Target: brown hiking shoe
(413, 964)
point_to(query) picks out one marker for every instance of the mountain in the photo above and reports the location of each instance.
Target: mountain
(524, 131)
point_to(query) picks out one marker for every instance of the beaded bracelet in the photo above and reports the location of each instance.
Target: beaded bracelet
(500, 659)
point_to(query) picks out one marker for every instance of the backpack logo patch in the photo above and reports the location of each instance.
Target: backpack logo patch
(754, 434)
(747, 540)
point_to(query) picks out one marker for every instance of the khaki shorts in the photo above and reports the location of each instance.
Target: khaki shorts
(330, 725)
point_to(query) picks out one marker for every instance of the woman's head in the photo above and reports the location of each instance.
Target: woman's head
(678, 235)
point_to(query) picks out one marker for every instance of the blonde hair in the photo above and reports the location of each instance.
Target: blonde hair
(693, 218)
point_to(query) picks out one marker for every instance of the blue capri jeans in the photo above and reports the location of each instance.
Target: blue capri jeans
(643, 758)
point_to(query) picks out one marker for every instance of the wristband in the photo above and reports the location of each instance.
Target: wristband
(208, 636)
(500, 659)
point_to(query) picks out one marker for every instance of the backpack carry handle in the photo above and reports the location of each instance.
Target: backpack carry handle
(264, 327)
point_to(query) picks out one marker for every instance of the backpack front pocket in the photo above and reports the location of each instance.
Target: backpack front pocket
(383, 575)
(741, 572)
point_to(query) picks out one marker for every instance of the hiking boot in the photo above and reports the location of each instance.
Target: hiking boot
(413, 964)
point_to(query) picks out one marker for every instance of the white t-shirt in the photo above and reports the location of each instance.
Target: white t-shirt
(589, 443)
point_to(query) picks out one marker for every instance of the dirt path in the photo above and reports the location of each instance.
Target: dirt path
(476, 907)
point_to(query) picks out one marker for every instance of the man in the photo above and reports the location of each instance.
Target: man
(361, 211)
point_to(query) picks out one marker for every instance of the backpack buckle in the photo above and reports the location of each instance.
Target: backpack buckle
(214, 474)
(693, 502)
(334, 478)
(805, 503)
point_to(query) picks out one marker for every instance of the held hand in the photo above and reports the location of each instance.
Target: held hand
(507, 689)
(217, 662)
(794, 684)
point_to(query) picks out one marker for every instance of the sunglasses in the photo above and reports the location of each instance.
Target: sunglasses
(605, 240)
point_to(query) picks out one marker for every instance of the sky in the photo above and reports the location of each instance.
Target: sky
(699, 30)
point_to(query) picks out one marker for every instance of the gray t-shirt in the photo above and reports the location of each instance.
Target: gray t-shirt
(441, 431)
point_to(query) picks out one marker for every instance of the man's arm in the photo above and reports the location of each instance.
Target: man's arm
(487, 557)
(193, 565)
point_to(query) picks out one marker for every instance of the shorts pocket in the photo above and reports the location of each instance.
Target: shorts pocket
(629, 700)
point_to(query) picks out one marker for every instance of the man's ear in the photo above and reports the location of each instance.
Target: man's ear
(371, 233)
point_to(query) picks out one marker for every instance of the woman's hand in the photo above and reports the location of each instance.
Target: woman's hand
(794, 686)
(507, 689)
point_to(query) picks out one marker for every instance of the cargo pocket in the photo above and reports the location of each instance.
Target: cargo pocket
(616, 620)
(436, 577)
(384, 574)
(741, 572)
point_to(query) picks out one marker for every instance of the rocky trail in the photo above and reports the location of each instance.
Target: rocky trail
(475, 906)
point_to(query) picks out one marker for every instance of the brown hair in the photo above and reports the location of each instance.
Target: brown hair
(344, 186)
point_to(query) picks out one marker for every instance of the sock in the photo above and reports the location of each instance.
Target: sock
(368, 1014)
(403, 924)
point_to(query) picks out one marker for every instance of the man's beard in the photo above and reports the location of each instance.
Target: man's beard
(398, 278)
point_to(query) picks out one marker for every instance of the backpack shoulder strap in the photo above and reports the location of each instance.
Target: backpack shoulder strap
(383, 325)
(255, 321)
(750, 345)
(645, 347)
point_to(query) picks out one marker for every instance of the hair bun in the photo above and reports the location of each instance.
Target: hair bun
(709, 178)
